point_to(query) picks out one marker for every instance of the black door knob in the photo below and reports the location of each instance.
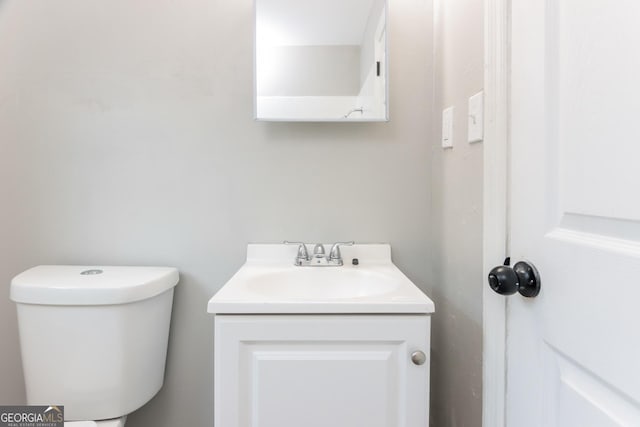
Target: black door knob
(522, 278)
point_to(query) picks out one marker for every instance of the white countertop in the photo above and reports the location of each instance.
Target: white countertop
(269, 283)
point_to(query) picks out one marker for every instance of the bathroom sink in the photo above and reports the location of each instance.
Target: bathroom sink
(322, 283)
(269, 282)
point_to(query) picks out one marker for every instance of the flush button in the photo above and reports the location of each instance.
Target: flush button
(91, 272)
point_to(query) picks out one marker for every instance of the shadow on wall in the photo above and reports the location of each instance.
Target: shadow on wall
(456, 388)
(341, 132)
(189, 294)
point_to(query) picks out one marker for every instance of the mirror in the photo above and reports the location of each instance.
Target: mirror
(321, 60)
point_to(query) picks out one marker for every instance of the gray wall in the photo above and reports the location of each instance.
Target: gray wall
(126, 137)
(456, 215)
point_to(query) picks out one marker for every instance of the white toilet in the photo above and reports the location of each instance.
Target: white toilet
(94, 339)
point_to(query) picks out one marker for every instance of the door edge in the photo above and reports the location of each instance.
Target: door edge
(495, 206)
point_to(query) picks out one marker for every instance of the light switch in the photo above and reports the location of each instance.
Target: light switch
(475, 127)
(447, 128)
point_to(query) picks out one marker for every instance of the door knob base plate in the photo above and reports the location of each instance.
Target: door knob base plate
(528, 278)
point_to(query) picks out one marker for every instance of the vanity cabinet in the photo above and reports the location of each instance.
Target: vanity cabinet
(341, 346)
(321, 370)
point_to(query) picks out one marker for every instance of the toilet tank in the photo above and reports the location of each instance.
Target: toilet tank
(94, 339)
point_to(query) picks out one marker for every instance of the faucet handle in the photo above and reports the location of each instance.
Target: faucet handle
(303, 255)
(335, 250)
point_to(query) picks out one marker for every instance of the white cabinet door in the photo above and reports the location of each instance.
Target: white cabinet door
(321, 371)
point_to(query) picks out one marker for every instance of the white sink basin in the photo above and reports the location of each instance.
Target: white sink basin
(269, 283)
(322, 283)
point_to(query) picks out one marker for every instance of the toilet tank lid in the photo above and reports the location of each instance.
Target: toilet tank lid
(90, 285)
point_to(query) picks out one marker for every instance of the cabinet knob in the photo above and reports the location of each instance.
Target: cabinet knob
(418, 358)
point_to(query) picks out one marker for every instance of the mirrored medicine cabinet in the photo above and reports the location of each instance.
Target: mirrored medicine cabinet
(321, 60)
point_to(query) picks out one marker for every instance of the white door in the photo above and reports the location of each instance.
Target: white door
(321, 371)
(573, 353)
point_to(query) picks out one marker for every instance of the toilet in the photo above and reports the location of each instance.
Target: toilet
(94, 339)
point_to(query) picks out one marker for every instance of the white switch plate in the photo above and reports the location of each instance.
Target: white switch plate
(447, 128)
(475, 128)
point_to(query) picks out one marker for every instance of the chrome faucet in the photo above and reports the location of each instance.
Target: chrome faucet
(319, 259)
